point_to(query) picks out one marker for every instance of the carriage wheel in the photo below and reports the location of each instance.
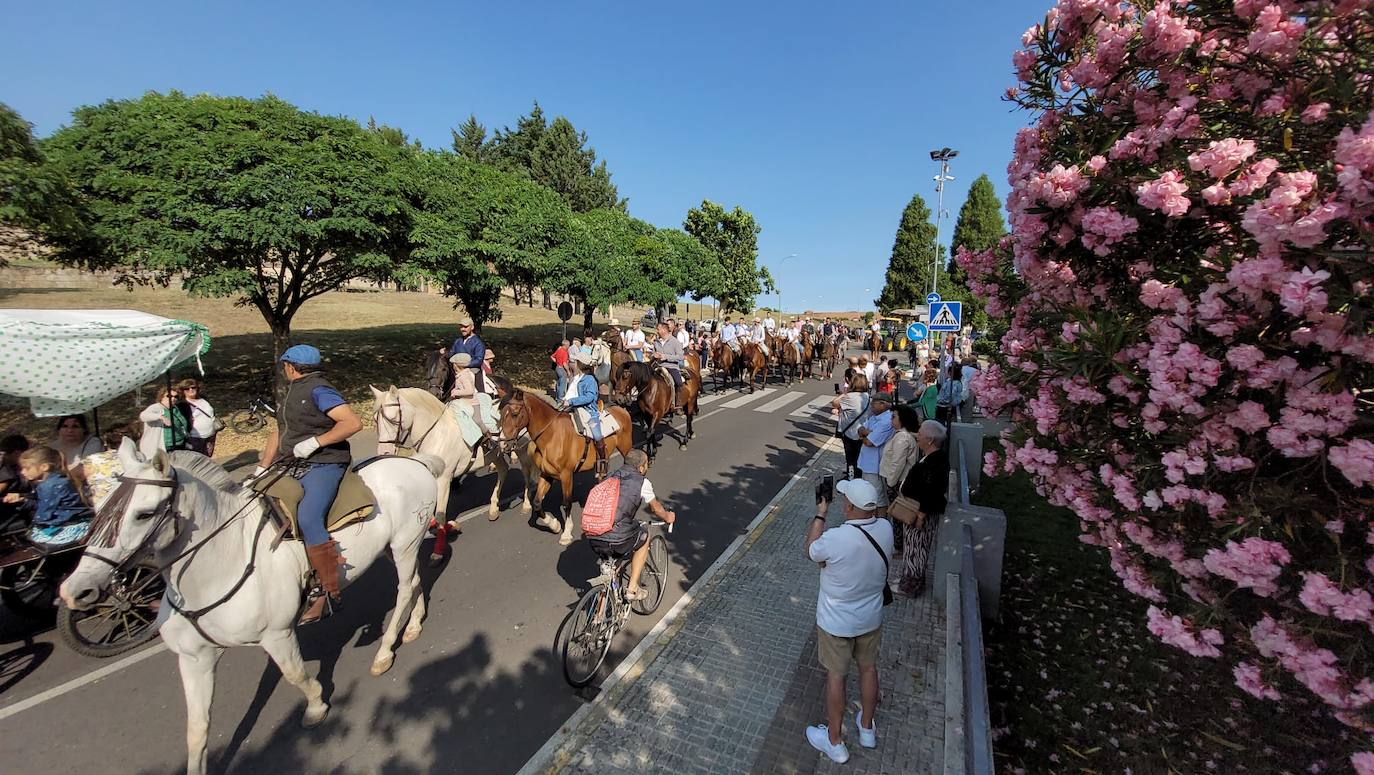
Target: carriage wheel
(121, 621)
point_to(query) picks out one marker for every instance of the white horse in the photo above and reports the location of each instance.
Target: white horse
(227, 586)
(414, 419)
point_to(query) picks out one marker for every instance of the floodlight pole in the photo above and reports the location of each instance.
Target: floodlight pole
(943, 156)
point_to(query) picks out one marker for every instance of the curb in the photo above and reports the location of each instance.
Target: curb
(556, 751)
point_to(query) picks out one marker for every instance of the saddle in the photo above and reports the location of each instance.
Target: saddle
(667, 375)
(354, 503)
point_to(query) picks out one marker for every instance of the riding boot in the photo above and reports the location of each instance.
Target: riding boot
(602, 464)
(325, 560)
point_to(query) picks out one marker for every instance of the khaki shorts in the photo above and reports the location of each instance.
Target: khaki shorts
(835, 652)
(878, 484)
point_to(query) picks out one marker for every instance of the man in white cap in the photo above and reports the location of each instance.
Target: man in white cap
(759, 336)
(849, 610)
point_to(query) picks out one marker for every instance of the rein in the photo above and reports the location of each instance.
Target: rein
(402, 432)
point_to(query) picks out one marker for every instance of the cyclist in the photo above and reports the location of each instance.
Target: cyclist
(628, 535)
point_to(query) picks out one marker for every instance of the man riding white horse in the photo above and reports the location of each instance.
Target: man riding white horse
(314, 423)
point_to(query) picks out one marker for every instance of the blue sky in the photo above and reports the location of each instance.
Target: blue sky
(816, 117)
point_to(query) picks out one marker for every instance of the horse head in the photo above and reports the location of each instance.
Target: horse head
(139, 516)
(390, 419)
(515, 415)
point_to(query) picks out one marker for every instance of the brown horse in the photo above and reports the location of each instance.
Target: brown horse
(789, 360)
(752, 361)
(874, 341)
(808, 354)
(829, 353)
(651, 392)
(722, 363)
(557, 449)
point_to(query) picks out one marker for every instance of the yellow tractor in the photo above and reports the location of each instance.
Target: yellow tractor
(894, 326)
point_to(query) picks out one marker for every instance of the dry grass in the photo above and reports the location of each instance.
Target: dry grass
(368, 337)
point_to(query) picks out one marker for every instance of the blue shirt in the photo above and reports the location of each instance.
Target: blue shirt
(879, 431)
(586, 395)
(729, 333)
(326, 398)
(472, 346)
(58, 502)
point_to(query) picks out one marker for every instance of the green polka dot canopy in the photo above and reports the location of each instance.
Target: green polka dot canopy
(69, 361)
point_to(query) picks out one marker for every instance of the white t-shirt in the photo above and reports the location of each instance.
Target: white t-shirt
(685, 338)
(632, 337)
(769, 324)
(646, 492)
(850, 602)
(202, 419)
(870, 372)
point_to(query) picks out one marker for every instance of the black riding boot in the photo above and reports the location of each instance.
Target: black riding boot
(602, 464)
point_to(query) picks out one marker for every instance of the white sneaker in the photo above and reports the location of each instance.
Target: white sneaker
(819, 738)
(868, 738)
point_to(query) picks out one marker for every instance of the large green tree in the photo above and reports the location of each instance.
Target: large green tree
(476, 229)
(979, 227)
(554, 155)
(914, 253)
(252, 199)
(731, 237)
(36, 202)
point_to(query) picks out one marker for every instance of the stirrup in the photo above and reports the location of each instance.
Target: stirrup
(309, 614)
(603, 467)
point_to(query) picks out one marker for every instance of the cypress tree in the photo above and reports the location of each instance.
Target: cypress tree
(979, 227)
(908, 270)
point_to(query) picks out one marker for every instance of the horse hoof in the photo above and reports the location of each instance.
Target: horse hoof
(382, 665)
(410, 635)
(492, 517)
(435, 560)
(313, 719)
(565, 540)
(682, 446)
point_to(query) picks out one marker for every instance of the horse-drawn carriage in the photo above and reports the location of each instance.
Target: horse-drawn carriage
(73, 362)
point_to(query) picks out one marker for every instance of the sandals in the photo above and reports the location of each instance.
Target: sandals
(635, 595)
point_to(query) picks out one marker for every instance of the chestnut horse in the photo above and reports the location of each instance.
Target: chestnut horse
(829, 353)
(752, 361)
(557, 449)
(723, 363)
(789, 360)
(874, 342)
(643, 383)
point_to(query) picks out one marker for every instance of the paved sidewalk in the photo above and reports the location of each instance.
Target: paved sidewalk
(732, 683)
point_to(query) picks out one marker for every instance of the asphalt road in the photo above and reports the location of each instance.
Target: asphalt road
(480, 690)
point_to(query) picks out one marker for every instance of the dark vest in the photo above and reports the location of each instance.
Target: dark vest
(624, 528)
(299, 419)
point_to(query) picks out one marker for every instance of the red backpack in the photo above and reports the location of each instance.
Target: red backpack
(598, 516)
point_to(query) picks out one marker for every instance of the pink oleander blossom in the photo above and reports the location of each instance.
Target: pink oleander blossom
(1355, 461)
(1165, 194)
(1248, 678)
(1178, 633)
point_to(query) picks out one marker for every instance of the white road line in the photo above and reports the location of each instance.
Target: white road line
(778, 403)
(747, 398)
(77, 683)
(811, 407)
(703, 400)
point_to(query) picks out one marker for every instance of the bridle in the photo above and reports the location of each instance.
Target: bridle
(402, 430)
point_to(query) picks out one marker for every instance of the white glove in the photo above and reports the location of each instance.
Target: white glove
(306, 448)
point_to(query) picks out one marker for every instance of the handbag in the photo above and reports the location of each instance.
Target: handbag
(887, 591)
(857, 417)
(906, 511)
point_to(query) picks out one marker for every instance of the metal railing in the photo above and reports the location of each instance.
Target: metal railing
(968, 724)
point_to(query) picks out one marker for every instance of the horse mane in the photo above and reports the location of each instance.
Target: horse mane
(503, 385)
(423, 399)
(641, 372)
(204, 469)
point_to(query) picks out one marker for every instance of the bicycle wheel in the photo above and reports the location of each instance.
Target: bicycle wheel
(247, 421)
(655, 576)
(589, 636)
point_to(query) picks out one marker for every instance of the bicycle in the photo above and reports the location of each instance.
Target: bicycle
(603, 609)
(252, 419)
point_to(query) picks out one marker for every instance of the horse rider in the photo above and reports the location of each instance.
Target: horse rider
(769, 324)
(464, 393)
(683, 336)
(793, 334)
(583, 393)
(313, 424)
(634, 341)
(759, 335)
(468, 342)
(669, 352)
(730, 335)
(828, 329)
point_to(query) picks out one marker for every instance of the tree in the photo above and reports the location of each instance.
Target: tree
(390, 135)
(732, 240)
(36, 201)
(978, 228)
(470, 141)
(476, 230)
(253, 199)
(1188, 366)
(908, 270)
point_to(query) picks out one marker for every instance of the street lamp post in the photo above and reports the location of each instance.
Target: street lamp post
(943, 156)
(777, 286)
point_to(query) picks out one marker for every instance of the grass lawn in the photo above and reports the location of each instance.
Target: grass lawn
(1078, 685)
(367, 337)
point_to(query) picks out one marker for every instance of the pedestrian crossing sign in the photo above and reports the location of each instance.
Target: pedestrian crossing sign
(946, 316)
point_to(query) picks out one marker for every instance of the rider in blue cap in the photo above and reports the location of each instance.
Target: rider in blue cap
(313, 424)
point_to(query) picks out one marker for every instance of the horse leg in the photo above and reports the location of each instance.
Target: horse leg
(566, 479)
(282, 646)
(529, 484)
(436, 553)
(407, 588)
(687, 411)
(541, 492)
(198, 683)
(494, 508)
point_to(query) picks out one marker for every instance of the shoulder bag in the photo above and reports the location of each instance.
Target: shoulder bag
(887, 590)
(857, 417)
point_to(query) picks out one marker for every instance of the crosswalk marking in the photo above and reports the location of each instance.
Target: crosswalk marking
(703, 400)
(747, 398)
(778, 403)
(811, 407)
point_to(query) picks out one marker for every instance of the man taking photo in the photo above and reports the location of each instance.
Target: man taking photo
(849, 609)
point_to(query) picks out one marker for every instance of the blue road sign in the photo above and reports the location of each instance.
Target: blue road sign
(932, 298)
(946, 316)
(917, 332)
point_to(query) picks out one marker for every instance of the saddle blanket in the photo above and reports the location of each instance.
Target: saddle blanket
(467, 423)
(582, 419)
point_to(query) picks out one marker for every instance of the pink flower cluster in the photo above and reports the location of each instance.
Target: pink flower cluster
(1192, 218)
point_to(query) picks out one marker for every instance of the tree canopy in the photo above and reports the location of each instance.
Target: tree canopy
(908, 270)
(731, 238)
(35, 200)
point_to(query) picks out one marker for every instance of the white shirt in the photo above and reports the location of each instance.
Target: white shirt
(769, 324)
(759, 332)
(869, 371)
(850, 602)
(632, 337)
(202, 419)
(684, 337)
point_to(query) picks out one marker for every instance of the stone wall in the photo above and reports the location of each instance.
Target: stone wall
(52, 277)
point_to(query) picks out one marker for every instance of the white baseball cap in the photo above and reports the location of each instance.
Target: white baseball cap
(863, 495)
